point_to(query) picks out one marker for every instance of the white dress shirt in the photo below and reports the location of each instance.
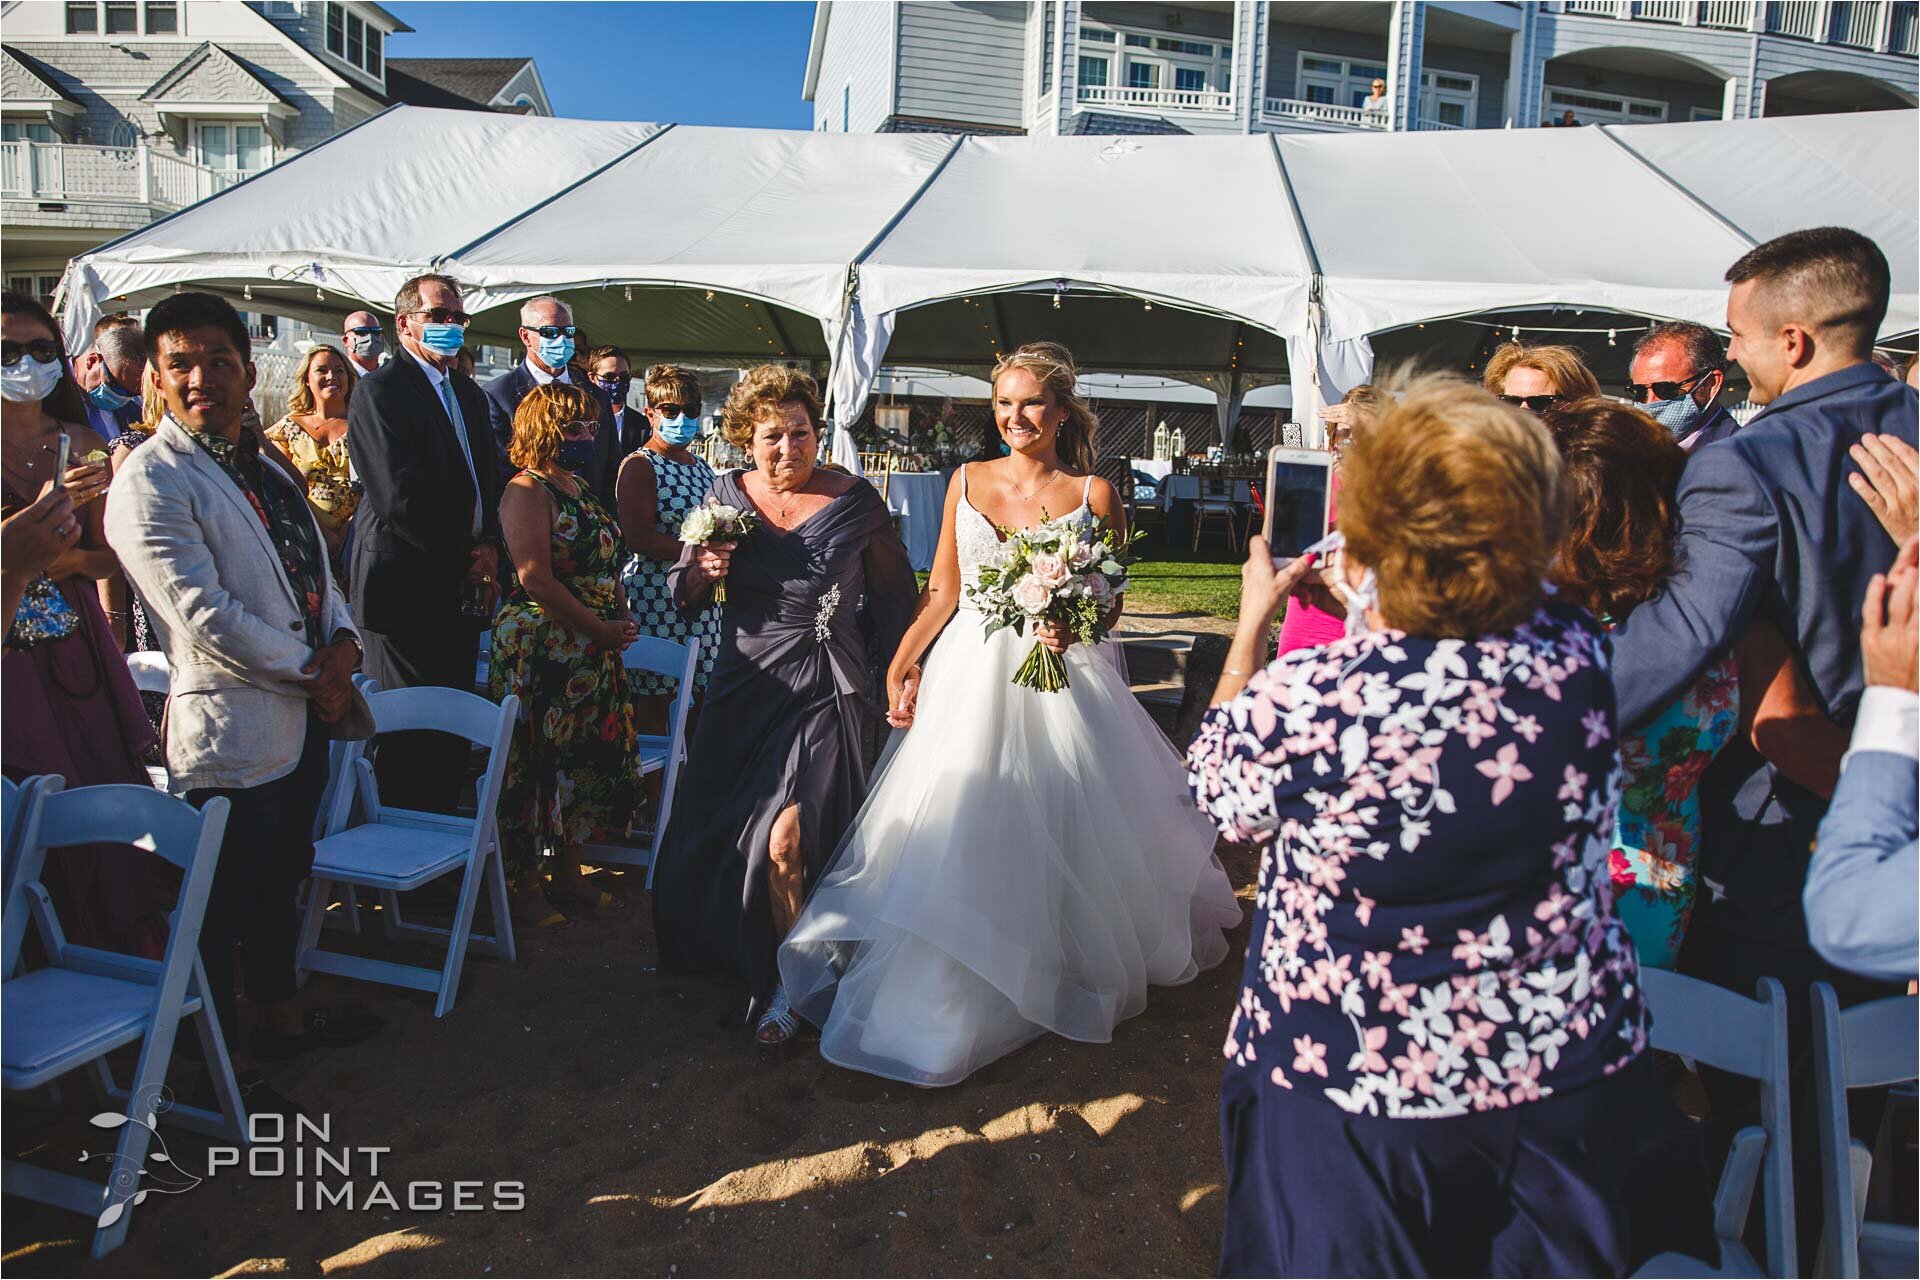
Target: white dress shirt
(541, 377)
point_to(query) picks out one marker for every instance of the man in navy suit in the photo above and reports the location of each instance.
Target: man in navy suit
(426, 546)
(1769, 528)
(548, 334)
(1679, 370)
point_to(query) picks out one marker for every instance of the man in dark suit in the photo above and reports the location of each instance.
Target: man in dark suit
(1769, 529)
(426, 548)
(547, 333)
(1679, 370)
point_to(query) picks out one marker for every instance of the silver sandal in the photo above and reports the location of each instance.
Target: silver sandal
(779, 1024)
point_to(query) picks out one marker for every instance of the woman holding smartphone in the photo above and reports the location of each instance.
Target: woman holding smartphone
(1307, 625)
(72, 708)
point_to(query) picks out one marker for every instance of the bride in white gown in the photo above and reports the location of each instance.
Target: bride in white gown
(1025, 862)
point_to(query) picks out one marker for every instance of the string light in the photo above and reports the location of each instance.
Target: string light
(320, 295)
(709, 295)
(1149, 306)
(629, 292)
(246, 291)
(1610, 341)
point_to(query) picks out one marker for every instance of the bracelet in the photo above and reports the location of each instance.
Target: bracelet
(1234, 671)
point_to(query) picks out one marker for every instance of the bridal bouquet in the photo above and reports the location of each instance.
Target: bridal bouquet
(1066, 571)
(716, 522)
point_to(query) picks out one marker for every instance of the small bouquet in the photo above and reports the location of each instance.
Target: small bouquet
(716, 522)
(1066, 571)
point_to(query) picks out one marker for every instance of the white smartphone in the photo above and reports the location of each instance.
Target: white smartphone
(1299, 494)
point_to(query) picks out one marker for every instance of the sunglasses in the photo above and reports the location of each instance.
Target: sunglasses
(1638, 392)
(45, 350)
(669, 410)
(1534, 404)
(444, 315)
(369, 330)
(552, 330)
(579, 428)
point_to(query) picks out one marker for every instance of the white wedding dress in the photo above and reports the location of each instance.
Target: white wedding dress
(1025, 862)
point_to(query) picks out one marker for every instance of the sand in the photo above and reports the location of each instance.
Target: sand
(652, 1142)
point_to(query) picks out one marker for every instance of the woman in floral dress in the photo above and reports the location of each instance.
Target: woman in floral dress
(1437, 1064)
(314, 435)
(1623, 474)
(659, 483)
(557, 643)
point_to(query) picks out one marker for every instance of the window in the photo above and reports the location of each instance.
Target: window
(1143, 75)
(163, 18)
(1601, 108)
(1093, 71)
(1155, 61)
(1450, 98)
(83, 18)
(26, 131)
(376, 50)
(123, 18)
(232, 148)
(125, 136)
(1189, 78)
(1137, 41)
(281, 8)
(846, 105)
(336, 30)
(356, 39)
(1094, 35)
(1336, 81)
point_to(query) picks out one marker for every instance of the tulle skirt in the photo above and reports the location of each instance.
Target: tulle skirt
(1025, 862)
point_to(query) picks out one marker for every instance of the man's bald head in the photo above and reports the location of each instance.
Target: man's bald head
(360, 320)
(547, 309)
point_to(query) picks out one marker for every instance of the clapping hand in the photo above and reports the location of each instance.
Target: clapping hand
(1890, 623)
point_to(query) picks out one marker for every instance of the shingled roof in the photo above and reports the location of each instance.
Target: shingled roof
(464, 83)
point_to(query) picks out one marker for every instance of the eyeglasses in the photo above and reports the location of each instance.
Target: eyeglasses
(444, 315)
(1639, 391)
(1534, 404)
(45, 350)
(669, 410)
(578, 427)
(552, 330)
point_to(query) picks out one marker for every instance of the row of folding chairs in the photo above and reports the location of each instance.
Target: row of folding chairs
(83, 1004)
(1867, 1046)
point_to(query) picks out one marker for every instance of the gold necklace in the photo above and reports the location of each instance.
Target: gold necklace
(1029, 497)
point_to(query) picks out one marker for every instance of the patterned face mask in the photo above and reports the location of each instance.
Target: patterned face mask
(1360, 600)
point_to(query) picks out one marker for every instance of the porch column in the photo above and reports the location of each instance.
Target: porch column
(1406, 36)
(1521, 105)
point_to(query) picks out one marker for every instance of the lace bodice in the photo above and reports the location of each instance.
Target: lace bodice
(978, 542)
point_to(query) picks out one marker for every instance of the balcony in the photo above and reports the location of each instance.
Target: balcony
(1886, 26)
(1328, 115)
(65, 173)
(1126, 96)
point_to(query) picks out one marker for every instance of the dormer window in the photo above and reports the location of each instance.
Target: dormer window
(354, 41)
(123, 17)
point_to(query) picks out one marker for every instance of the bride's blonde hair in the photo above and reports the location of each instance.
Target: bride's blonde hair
(1052, 364)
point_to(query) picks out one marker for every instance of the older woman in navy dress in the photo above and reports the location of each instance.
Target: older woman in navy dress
(775, 772)
(1438, 1062)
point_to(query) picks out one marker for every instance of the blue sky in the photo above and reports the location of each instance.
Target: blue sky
(704, 63)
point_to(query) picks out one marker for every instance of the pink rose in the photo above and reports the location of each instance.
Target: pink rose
(1051, 570)
(1096, 586)
(1032, 595)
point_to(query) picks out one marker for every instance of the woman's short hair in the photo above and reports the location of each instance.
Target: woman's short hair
(675, 384)
(1455, 501)
(300, 398)
(1623, 471)
(1565, 368)
(540, 423)
(761, 391)
(1052, 365)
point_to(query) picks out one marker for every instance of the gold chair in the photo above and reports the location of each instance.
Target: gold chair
(1216, 500)
(879, 468)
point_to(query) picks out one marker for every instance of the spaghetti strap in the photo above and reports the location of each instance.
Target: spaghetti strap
(963, 478)
(1086, 492)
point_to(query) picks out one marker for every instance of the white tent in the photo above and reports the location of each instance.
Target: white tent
(1233, 260)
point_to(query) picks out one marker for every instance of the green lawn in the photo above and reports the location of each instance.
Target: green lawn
(1181, 581)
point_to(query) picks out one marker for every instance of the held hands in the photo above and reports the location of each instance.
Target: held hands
(615, 634)
(1890, 630)
(330, 678)
(903, 694)
(1888, 482)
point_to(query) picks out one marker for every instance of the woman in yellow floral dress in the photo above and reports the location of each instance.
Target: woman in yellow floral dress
(557, 644)
(314, 435)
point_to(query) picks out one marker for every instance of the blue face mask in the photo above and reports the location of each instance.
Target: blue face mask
(1680, 416)
(575, 455)
(555, 352)
(108, 397)
(443, 339)
(679, 431)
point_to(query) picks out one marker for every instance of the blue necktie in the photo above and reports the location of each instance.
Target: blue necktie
(466, 450)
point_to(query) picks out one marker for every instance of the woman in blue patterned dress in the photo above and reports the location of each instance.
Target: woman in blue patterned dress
(1437, 1063)
(659, 483)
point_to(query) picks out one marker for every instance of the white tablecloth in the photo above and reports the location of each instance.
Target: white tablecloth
(918, 498)
(1187, 488)
(1148, 467)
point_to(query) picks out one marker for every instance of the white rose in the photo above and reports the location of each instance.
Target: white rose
(1051, 570)
(1097, 587)
(1032, 595)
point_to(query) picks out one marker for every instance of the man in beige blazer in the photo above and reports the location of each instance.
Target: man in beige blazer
(220, 544)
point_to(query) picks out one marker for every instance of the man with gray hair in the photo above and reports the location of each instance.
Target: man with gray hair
(111, 372)
(1679, 370)
(548, 334)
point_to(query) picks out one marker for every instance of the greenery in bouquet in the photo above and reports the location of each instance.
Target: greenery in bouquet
(1069, 571)
(713, 522)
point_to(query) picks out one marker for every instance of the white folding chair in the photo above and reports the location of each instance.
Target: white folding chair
(1867, 1046)
(656, 753)
(395, 850)
(85, 1002)
(1723, 1029)
(152, 675)
(21, 817)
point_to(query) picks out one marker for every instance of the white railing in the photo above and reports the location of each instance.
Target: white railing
(1728, 15)
(1324, 113)
(1595, 8)
(1797, 18)
(1435, 125)
(1903, 33)
(68, 172)
(1118, 95)
(1857, 25)
(1664, 10)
